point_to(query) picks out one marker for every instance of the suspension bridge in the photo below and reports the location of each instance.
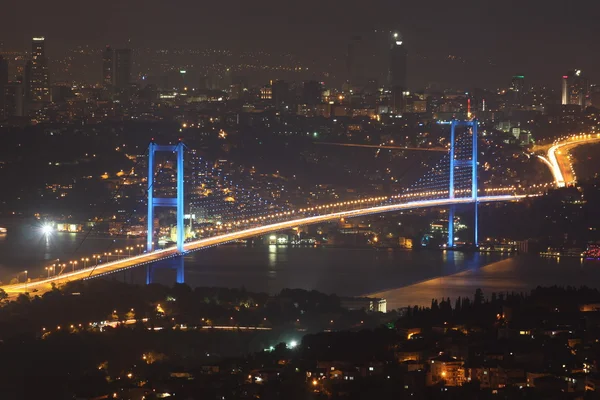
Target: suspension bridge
(452, 182)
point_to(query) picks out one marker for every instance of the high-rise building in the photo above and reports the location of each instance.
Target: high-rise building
(3, 84)
(122, 68)
(575, 89)
(40, 77)
(518, 83)
(281, 93)
(397, 72)
(13, 100)
(398, 61)
(311, 92)
(3, 71)
(107, 67)
(517, 92)
(356, 63)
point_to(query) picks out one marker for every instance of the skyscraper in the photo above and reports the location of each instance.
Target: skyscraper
(517, 91)
(3, 71)
(40, 79)
(398, 60)
(518, 83)
(356, 61)
(3, 85)
(107, 67)
(311, 92)
(27, 92)
(397, 72)
(122, 68)
(281, 93)
(575, 89)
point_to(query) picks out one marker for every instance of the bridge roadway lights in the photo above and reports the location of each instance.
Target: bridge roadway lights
(176, 202)
(458, 163)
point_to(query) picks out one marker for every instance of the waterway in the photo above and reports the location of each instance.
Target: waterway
(402, 277)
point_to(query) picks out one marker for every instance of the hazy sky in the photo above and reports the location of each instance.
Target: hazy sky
(494, 39)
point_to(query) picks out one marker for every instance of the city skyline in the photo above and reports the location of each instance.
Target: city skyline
(499, 42)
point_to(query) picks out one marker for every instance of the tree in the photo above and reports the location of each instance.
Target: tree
(3, 295)
(23, 298)
(478, 300)
(457, 305)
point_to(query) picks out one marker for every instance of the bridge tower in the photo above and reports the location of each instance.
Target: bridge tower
(176, 202)
(470, 163)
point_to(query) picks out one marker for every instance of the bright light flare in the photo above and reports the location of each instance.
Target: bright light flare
(47, 229)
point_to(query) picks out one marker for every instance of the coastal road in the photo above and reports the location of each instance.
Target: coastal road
(558, 157)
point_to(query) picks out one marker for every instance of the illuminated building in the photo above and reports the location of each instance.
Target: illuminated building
(518, 83)
(107, 66)
(575, 89)
(40, 79)
(446, 370)
(122, 68)
(266, 93)
(517, 89)
(397, 72)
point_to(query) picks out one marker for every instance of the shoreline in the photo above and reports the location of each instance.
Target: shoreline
(462, 283)
(424, 280)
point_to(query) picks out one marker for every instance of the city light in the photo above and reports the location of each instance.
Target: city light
(47, 229)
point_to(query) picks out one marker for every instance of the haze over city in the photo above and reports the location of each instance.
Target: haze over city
(490, 39)
(299, 200)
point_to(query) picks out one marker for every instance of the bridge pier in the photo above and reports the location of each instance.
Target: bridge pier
(177, 263)
(476, 225)
(451, 226)
(177, 202)
(463, 163)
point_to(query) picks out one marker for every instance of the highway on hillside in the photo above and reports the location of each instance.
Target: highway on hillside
(558, 158)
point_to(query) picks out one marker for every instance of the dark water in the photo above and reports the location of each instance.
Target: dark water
(407, 276)
(25, 247)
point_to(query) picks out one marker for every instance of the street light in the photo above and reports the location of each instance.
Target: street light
(25, 272)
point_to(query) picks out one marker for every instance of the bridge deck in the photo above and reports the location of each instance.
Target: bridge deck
(45, 285)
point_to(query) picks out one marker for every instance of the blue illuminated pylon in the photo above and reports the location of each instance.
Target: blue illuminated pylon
(470, 163)
(165, 202)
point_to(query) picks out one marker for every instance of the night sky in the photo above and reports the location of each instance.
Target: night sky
(490, 40)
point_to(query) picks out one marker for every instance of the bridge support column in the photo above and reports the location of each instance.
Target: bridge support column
(474, 183)
(180, 270)
(451, 226)
(149, 274)
(176, 263)
(463, 163)
(476, 225)
(176, 202)
(451, 185)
